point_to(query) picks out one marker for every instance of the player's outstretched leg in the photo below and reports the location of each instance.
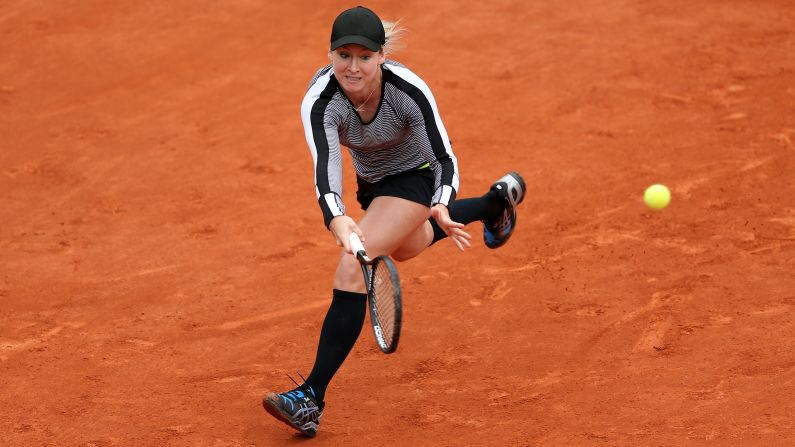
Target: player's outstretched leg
(497, 231)
(298, 408)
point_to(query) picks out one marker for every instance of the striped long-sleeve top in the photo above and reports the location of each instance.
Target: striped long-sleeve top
(405, 133)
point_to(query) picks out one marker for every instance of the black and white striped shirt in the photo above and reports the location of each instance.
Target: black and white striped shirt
(406, 133)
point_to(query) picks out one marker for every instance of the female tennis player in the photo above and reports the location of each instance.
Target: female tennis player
(407, 180)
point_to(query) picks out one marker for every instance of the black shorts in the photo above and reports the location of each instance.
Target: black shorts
(415, 185)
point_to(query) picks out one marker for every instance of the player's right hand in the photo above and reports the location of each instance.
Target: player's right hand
(342, 227)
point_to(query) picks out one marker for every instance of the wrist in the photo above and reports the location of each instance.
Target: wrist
(444, 195)
(334, 219)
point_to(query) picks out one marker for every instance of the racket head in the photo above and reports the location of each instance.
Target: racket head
(385, 301)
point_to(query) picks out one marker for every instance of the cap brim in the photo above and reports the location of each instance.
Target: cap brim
(361, 40)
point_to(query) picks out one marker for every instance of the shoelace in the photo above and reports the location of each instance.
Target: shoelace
(293, 396)
(296, 383)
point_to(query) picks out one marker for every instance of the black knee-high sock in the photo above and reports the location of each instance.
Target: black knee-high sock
(341, 328)
(465, 211)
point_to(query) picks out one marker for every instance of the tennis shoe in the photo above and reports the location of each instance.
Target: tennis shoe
(298, 408)
(511, 188)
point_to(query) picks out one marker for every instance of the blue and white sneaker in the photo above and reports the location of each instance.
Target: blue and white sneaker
(298, 408)
(510, 187)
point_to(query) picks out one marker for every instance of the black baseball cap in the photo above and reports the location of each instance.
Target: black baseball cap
(358, 25)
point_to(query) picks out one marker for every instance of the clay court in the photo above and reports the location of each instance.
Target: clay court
(163, 259)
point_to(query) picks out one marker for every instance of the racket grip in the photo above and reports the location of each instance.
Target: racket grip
(356, 244)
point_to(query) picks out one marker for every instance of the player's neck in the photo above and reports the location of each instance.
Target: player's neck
(368, 96)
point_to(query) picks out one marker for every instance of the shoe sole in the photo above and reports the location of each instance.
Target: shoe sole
(274, 410)
(519, 180)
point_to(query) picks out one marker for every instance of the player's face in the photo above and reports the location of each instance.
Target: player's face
(356, 68)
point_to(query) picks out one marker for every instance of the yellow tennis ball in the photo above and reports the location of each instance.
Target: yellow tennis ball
(657, 196)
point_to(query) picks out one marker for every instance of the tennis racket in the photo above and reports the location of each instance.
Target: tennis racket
(383, 295)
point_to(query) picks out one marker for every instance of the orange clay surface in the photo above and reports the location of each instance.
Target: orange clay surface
(163, 261)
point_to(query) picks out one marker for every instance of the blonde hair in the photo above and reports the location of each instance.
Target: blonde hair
(393, 33)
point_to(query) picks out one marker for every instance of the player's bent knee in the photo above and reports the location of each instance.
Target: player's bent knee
(414, 244)
(404, 255)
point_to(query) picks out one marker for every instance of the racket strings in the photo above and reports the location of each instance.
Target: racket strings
(383, 291)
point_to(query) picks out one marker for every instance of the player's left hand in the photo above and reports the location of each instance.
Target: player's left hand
(455, 230)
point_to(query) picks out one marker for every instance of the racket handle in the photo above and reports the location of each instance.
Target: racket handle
(356, 244)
